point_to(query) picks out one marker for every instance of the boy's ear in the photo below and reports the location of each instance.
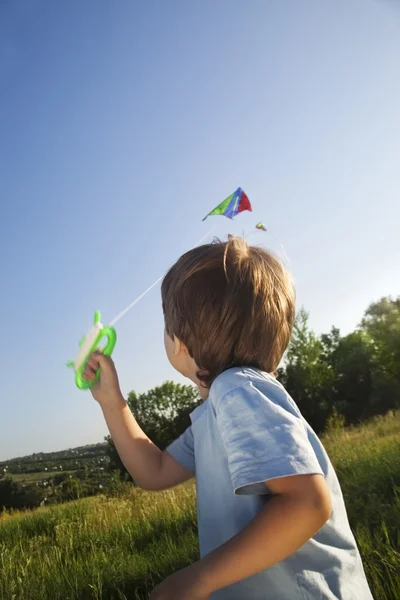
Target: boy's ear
(179, 347)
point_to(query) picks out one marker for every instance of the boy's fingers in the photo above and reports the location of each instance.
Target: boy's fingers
(88, 374)
(93, 362)
(101, 360)
(96, 361)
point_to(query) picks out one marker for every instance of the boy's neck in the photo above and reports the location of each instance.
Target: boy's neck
(191, 373)
(203, 391)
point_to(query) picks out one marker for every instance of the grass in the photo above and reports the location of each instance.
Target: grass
(119, 548)
(368, 466)
(97, 547)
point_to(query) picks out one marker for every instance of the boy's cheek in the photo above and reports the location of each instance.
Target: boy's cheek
(169, 346)
(167, 339)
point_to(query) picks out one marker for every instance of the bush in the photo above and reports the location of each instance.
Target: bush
(14, 495)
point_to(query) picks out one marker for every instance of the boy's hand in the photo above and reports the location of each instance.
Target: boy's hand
(106, 391)
(183, 585)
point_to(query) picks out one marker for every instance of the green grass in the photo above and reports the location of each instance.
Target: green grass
(119, 548)
(367, 461)
(97, 547)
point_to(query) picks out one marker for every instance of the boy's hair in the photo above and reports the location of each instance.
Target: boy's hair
(232, 305)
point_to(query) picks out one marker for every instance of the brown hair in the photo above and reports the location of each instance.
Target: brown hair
(231, 304)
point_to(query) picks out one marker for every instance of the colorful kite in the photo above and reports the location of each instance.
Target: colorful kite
(231, 206)
(261, 226)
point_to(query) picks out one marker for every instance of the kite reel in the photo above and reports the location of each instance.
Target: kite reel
(89, 344)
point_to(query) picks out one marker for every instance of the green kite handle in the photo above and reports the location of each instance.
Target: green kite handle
(111, 335)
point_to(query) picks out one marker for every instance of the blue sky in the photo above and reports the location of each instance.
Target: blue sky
(123, 123)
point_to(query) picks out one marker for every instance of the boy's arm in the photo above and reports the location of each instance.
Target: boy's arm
(298, 509)
(151, 468)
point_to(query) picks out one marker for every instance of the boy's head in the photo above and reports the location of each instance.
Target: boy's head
(228, 304)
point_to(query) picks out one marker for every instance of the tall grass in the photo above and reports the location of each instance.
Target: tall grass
(367, 461)
(120, 547)
(97, 547)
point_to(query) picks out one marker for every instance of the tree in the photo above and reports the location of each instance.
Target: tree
(307, 373)
(353, 362)
(381, 323)
(71, 489)
(13, 495)
(162, 413)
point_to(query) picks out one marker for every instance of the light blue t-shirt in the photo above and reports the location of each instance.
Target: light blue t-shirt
(249, 431)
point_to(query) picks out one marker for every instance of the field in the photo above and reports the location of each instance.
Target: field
(30, 478)
(119, 547)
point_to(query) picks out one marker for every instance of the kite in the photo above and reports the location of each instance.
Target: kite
(261, 227)
(231, 206)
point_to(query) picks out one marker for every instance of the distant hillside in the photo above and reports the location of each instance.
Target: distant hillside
(72, 459)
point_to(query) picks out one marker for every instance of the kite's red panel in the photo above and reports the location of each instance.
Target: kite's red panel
(244, 203)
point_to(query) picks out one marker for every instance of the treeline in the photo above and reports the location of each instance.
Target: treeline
(347, 378)
(335, 380)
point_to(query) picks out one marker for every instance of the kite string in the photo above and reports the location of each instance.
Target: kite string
(143, 294)
(135, 301)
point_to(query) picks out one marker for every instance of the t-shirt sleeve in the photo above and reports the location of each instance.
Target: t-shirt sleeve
(263, 439)
(182, 450)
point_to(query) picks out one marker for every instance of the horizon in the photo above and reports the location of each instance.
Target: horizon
(52, 451)
(123, 126)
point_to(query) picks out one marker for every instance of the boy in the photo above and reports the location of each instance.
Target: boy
(272, 521)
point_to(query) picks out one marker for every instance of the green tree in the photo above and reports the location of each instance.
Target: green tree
(163, 414)
(308, 374)
(60, 478)
(71, 489)
(353, 363)
(381, 323)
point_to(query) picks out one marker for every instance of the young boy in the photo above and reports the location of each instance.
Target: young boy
(272, 521)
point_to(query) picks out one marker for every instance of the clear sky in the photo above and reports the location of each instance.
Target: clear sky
(123, 123)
